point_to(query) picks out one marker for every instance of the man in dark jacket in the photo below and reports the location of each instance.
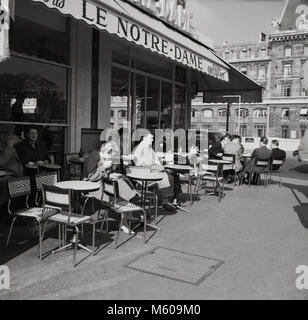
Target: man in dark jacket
(32, 150)
(277, 154)
(262, 153)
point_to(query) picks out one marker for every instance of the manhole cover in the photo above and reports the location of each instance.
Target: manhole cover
(176, 265)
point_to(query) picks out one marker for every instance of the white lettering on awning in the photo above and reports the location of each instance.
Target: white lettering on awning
(105, 19)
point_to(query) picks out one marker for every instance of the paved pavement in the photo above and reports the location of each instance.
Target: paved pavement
(260, 234)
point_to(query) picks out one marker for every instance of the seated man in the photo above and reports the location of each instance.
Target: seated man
(235, 147)
(31, 149)
(144, 156)
(262, 153)
(278, 154)
(216, 151)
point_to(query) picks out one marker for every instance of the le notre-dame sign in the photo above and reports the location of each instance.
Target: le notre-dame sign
(104, 19)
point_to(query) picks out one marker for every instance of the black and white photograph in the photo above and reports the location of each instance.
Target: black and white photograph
(153, 153)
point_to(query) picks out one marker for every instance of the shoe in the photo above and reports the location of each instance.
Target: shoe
(126, 230)
(169, 207)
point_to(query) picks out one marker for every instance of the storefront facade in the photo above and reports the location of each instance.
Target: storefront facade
(65, 74)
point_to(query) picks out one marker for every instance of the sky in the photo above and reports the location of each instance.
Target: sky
(234, 20)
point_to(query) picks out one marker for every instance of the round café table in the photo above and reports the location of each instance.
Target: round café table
(144, 176)
(178, 169)
(38, 167)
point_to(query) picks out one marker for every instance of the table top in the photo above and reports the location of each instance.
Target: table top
(145, 175)
(220, 161)
(43, 165)
(77, 160)
(179, 167)
(210, 167)
(2, 173)
(78, 185)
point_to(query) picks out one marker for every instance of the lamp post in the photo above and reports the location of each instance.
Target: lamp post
(239, 111)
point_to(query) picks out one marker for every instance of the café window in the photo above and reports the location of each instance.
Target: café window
(151, 63)
(180, 74)
(207, 113)
(39, 32)
(285, 113)
(222, 113)
(260, 113)
(119, 94)
(32, 91)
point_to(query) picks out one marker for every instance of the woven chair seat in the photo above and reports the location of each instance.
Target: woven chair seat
(37, 213)
(127, 207)
(75, 219)
(212, 178)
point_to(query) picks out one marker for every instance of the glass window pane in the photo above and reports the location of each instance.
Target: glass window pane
(138, 101)
(149, 62)
(39, 32)
(166, 106)
(119, 98)
(179, 108)
(32, 91)
(152, 106)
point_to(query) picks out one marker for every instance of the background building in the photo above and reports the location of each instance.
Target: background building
(275, 62)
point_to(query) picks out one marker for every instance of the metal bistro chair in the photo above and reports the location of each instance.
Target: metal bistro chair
(111, 190)
(73, 170)
(97, 212)
(209, 175)
(230, 167)
(278, 171)
(61, 199)
(264, 167)
(19, 188)
(46, 178)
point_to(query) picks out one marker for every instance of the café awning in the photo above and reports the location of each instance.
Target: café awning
(211, 73)
(127, 21)
(239, 85)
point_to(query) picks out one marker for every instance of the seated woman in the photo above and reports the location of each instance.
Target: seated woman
(9, 160)
(97, 165)
(145, 156)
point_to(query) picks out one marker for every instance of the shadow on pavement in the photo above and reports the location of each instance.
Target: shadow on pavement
(301, 169)
(302, 208)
